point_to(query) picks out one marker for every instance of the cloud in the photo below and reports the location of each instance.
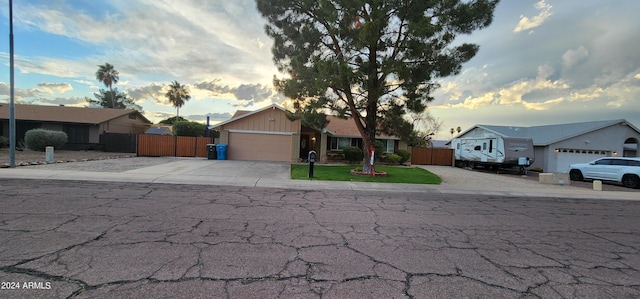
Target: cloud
(542, 106)
(48, 66)
(135, 37)
(50, 88)
(530, 93)
(153, 91)
(572, 57)
(213, 117)
(19, 94)
(530, 23)
(213, 87)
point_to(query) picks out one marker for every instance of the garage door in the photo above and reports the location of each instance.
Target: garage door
(264, 147)
(568, 157)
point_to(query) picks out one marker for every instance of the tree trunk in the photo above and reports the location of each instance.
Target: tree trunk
(112, 98)
(369, 137)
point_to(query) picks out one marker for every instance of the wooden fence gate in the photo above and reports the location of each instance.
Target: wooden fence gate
(172, 146)
(432, 156)
(119, 143)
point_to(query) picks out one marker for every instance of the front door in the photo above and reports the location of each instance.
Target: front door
(304, 146)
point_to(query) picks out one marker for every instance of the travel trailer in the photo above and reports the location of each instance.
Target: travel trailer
(494, 152)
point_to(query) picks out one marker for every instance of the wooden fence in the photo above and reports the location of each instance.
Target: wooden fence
(173, 146)
(119, 143)
(432, 156)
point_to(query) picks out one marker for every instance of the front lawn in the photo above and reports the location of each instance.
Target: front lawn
(406, 175)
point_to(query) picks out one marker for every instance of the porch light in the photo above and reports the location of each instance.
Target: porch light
(615, 154)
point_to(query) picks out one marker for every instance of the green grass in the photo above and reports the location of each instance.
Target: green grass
(406, 175)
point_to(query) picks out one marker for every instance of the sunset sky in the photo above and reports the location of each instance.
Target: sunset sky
(540, 62)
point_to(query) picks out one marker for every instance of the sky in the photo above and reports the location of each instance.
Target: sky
(540, 62)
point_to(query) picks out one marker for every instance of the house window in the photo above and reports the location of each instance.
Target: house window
(339, 143)
(132, 116)
(389, 145)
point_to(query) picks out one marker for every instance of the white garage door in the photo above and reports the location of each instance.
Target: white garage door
(568, 157)
(264, 147)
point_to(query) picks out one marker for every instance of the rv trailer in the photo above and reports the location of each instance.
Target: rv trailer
(495, 152)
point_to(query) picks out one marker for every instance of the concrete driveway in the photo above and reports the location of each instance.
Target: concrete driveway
(172, 170)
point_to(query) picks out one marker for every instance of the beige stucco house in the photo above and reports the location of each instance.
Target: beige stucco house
(82, 125)
(267, 134)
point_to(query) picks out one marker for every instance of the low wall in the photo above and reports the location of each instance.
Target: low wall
(554, 178)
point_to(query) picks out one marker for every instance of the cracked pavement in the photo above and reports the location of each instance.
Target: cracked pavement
(142, 240)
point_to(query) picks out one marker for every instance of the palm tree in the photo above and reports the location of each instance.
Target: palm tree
(108, 76)
(177, 95)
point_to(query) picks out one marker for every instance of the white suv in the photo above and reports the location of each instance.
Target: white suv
(622, 170)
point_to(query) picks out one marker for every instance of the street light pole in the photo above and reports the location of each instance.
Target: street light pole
(12, 116)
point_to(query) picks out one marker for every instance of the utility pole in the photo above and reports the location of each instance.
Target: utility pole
(12, 108)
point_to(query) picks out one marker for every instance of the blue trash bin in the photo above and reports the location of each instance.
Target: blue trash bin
(222, 151)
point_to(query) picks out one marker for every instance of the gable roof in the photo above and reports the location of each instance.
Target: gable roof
(65, 114)
(240, 114)
(548, 134)
(159, 130)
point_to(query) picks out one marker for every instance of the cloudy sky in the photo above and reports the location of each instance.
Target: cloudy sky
(540, 62)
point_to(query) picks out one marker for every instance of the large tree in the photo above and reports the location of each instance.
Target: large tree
(108, 75)
(371, 60)
(113, 99)
(178, 95)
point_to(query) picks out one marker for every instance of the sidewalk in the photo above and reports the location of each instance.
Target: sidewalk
(276, 175)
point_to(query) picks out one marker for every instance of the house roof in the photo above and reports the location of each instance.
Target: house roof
(346, 128)
(337, 126)
(159, 130)
(64, 114)
(548, 134)
(243, 113)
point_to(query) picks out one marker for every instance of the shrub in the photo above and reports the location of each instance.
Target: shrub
(393, 158)
(39, 139)
(405, 155)
(4, 142)
(189, 128)
(353, 154)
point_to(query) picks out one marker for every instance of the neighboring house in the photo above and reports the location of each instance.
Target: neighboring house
(82, 125)
(558, 146)
(267, 134)
(160, 130)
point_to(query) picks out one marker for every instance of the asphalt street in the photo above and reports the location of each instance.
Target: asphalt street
(120, 239)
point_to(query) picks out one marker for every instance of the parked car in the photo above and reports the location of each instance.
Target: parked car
(616, 169)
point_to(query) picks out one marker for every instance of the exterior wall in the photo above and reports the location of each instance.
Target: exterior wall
(295, 147)
(323, 148)
(224, 137)
(270, 120)
(265, 122)
(52, 126)
(403, 145)
(541, 158)
(610, 140)
(124, 124)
